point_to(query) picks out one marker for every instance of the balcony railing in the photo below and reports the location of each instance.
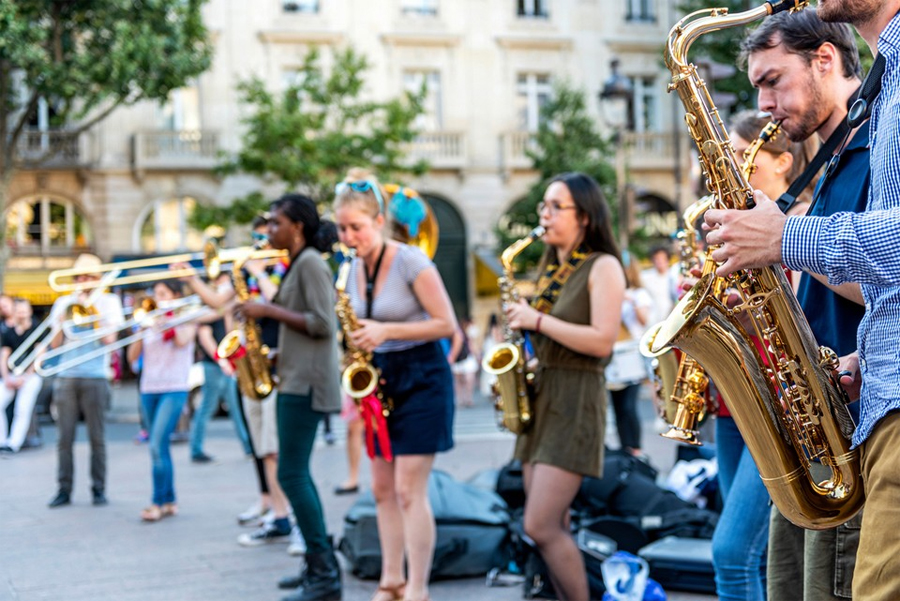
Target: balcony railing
(183, 149)
(54, 148)
(651, 150)
(513, 147)
(442, 149)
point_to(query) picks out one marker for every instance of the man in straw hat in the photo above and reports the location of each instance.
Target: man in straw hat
(84, 387)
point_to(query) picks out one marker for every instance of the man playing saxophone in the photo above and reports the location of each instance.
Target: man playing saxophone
(852, 247)
(806, 71)
(574, 320)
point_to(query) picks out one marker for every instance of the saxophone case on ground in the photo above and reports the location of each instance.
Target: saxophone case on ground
(781, 393)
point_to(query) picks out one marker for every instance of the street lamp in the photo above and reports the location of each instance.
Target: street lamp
(617, 106)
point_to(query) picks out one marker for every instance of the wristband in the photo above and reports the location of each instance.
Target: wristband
(537, 326)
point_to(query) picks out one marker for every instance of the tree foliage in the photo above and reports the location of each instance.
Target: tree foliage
(567, 140)
(88, 57)
(307, 137)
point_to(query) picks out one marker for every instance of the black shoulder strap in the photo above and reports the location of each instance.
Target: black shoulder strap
(860, 109)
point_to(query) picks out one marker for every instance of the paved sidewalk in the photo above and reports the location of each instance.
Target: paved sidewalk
(83, 553)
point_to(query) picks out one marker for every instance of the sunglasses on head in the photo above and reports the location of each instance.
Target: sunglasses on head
(362, 186)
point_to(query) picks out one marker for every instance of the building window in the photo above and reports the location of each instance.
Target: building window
(533, 8)
(165, 228)
(646, 104)
(533, 91)
(640, 10)
(46, 226)
(300, 6)
(419, 7)
(182, 110)
(432, 119)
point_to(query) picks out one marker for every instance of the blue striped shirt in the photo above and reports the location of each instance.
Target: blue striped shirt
(865, 248)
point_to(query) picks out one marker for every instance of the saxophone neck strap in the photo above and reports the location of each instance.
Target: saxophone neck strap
(551, 283)
(370, 280)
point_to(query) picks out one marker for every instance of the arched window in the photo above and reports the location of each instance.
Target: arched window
(47, 225)
(164, 228)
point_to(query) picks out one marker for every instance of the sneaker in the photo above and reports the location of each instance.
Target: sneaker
(264, 535)
(296, 546)
(201, 458)
(330, 438)
(251, 517)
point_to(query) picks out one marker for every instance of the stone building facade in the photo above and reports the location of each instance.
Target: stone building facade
(125, 187)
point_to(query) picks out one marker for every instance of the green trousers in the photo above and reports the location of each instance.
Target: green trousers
(297, 426)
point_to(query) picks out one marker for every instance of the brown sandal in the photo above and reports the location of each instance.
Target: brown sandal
(151, 514)
(396, 591)
(169, 510)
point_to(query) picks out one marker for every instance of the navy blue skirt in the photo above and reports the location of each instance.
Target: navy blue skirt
(419, 384)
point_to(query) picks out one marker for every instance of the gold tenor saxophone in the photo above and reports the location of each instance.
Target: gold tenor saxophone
(513, 390)
(685, 405)
(782, 393)
(360, 378)
(244, 347)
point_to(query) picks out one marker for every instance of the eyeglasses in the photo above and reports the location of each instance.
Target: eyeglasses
(553, 208)
(362, 186)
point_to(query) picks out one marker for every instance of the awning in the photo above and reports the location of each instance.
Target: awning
(487, 270)
(30, 285)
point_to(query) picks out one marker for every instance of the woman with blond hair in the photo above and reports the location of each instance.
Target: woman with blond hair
(403, 311)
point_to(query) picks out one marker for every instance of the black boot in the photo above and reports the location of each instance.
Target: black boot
(292, 582)
(320, 580)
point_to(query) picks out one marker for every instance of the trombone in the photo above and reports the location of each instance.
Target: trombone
(147, 318)
(40, 338)
(63, 280)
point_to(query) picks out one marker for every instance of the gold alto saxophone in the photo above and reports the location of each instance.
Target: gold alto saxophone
(782, 394)
(685, 405)
(360, 378)
(513, 391)
(243, 347)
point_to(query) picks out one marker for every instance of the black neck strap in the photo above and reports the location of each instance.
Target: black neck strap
(370, 280)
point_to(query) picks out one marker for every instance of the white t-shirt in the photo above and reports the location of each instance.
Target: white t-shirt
(662, 289)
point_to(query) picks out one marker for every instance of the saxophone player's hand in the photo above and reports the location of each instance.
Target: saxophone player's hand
(253, 309)
(746, 239)
(522, 316)
(850, 378)
(369, 335)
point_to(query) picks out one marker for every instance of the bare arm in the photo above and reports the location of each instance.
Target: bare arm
(455, 346)
(848, 290)
(267, 287)
(215, 298)
(606, 286)
(206, 340)
(184, 334)
(134, 351)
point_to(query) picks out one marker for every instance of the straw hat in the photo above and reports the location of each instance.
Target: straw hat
(87, 261)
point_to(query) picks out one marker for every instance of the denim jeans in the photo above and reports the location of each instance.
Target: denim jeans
(162, 410)
(216, 385)
(742, 534)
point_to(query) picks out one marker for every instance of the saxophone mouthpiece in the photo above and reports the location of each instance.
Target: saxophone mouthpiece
(537, 232)
(778, 6)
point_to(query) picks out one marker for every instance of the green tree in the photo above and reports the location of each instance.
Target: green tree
(308, 137)
(86, 59)
(567, 140)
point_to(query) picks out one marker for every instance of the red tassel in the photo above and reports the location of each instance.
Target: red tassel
(372, 413)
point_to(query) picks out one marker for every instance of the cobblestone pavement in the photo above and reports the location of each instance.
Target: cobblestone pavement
(85, 553)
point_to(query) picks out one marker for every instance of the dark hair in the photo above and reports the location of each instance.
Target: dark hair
(747, 124)
(318, 233)
(662, 249)
(590, 202)
(258, 222)
(173, 285)
(803, 33)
